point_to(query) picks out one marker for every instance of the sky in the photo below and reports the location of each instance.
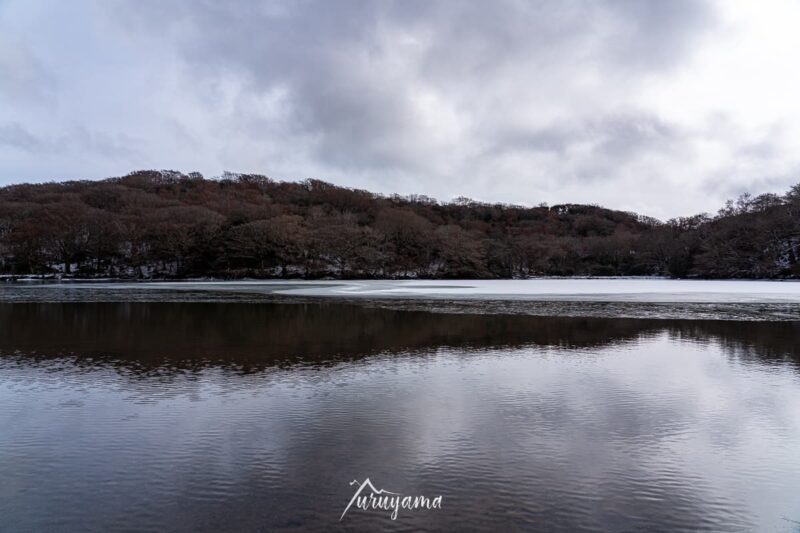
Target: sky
(667, 108)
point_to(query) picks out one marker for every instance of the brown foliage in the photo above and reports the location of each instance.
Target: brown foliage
(168, 224)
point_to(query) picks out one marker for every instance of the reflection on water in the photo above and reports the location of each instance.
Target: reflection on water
(234, 416)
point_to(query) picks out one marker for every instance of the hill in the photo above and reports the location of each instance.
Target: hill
(166, 224)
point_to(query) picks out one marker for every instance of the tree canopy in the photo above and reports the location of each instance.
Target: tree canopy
(165, 224)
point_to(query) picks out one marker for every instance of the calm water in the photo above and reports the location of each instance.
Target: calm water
(256, 416)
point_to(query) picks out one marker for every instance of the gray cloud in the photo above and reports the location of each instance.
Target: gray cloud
(353, 70)
(23, 78)
(79, 140)
(14, 135)
(614, 136)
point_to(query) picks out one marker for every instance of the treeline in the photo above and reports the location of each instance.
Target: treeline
(165, 224)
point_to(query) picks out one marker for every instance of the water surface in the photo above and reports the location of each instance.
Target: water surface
(224, 415)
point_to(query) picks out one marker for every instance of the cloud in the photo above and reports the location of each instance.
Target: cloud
(79, 139)
(16, 136)
(22, 75)
(389, 85)
(505, 101)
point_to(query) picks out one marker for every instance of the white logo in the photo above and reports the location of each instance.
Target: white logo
(374, 498)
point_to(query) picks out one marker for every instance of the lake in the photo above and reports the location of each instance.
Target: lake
(581, 406)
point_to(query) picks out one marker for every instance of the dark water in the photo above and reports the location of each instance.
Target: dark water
(256, 416)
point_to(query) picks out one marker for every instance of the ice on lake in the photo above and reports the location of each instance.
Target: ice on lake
(644, 290)
(574, 289)
(589, 297)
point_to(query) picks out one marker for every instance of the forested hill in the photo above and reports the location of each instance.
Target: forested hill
(167, 224)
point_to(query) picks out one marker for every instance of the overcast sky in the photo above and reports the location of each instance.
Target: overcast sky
(662, 107)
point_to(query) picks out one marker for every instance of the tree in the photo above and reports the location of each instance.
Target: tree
(278, 241)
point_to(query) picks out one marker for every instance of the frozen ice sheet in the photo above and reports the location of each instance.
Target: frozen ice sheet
(611, 290)
(648, 290)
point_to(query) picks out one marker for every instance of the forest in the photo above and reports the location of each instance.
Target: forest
(169, 225)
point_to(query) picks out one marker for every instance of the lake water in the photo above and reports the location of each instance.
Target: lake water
(234, 408)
